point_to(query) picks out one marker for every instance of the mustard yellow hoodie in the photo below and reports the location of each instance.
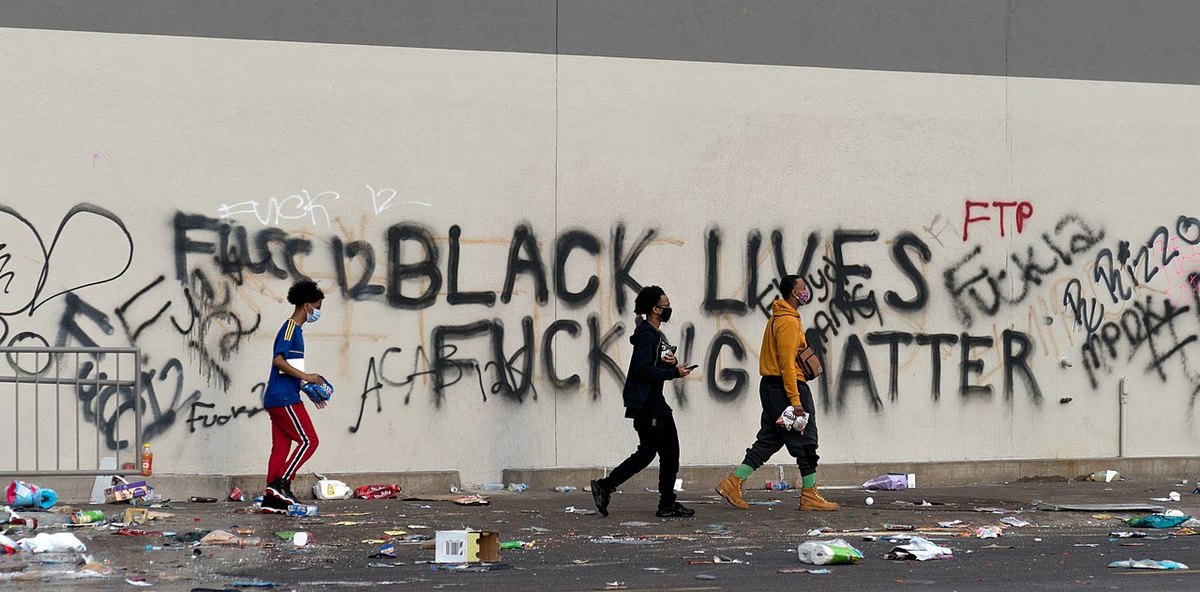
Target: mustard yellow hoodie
(782, 340)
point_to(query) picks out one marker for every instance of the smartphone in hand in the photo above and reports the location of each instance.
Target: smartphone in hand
(692, 367)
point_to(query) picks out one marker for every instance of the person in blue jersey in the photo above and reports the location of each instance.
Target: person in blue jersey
(651, 364)
(289, 418)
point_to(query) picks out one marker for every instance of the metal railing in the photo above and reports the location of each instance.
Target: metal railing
(63, 402)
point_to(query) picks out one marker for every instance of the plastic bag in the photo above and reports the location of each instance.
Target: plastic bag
(377, 491)
(831, 552)
(791, 421)
(52, 543)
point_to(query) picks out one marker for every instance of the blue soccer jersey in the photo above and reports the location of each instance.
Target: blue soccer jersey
(282, 389)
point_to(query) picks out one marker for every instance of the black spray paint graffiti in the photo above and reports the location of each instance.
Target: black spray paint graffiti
(416, 276)
(978, 288)
(1113, 271)
(32, 272)
(105, 405)
(1159, 328)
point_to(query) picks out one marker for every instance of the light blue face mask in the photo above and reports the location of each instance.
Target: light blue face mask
(315, 315)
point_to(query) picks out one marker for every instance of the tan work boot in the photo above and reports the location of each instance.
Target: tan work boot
(811, 500)
(731, 489)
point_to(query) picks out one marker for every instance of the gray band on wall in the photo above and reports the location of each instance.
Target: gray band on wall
(1118, 40)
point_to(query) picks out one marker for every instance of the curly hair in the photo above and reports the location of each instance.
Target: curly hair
(304, 292)
(787, 283)
(647, 299)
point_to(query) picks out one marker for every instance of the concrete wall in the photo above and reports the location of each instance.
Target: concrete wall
(994, 204)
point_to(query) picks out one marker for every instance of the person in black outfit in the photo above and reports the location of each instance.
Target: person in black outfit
(652, 363)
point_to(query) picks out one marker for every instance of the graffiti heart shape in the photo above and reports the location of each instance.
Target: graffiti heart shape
(91, 246)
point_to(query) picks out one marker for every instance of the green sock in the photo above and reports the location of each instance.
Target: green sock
(809, 480)
(743, 471)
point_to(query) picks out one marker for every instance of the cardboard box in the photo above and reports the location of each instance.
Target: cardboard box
(126, 491)
(465, 546)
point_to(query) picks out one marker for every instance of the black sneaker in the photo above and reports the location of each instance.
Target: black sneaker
(677, 510)
(287, 492)
(273, 504)
(600, 495)
(279, 490)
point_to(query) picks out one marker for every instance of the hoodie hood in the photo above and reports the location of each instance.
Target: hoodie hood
(783, 309)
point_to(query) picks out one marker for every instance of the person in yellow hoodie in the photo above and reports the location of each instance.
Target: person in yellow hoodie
(783, 383)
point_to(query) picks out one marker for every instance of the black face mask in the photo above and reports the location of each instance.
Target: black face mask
(665, 315)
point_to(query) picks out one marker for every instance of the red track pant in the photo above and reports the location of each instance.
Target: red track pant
(290, 424)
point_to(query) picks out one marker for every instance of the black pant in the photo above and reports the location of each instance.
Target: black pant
(656, 436)
(772, 436)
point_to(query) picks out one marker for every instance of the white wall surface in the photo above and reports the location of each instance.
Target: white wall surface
(327, 145)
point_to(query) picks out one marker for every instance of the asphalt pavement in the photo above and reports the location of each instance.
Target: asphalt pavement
(571, 548)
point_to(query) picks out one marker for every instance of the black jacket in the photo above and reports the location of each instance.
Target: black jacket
(647, 371)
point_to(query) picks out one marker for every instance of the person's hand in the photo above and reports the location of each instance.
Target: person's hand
(320, 405)
(669, 357)
(683, 370)
(314, 378)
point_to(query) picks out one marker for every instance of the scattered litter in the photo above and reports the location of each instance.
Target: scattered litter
(20, 493)
(635, 523)
(584, 511)
(241, 584)
(998, 546)
(921, 550)
(237, 495)
(301, 539)
(94, 568)
(1158, 521)
(222, 538)
(1039, 504)
(51, 543)
(89, 517)
(949, 523)
(892, 481)
(1107, 476)
(611, 540)
(890, 526)
(705, 577)
(989, 532)
(1014, 521)
(614, 586)
(1102, 517)
(331, 489)
(564, 488)
(1126, 534)
(799, 571)
(833, 552)
(581, 561)
(1087, 544)
(536, 529)
(517, 487)
(471, 500)
(517, 545)
(1148, 564)
(1171, 497)
(655, 569)
(137, 582)
(766, 503)
(386, 551)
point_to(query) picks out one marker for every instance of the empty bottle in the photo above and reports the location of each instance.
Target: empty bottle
(564, 488)
(517, 487)
(777, 485)
(493, 486)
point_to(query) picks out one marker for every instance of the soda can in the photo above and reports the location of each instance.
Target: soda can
(301, 510)
(237, 495)
(87, 517)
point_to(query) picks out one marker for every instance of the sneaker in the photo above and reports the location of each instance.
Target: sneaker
(677, 510)
(279, 490)
(601, 496)
(287, 492)
(273, 504)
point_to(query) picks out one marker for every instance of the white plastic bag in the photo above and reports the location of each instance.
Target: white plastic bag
(52, 543)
